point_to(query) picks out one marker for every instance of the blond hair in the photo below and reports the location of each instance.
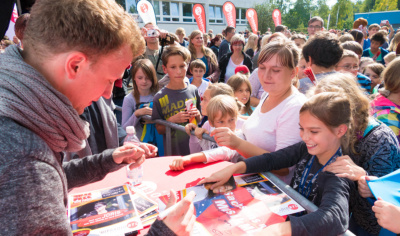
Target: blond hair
(345, 83)
(346, 37)
(206, 51)
(395, 41)
(251, 42)
(173, 51)
(235, 81)
(220, 88)
(389, 57)
(348, 53)
(225, 104)
(180, 31)
(333, 109)
(91, 27)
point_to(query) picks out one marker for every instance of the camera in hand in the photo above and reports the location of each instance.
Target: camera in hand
(167, 40)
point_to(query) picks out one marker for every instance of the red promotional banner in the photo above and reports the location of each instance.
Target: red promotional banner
(230, 13)
(252, 18)
(276, 16)
(200, 16)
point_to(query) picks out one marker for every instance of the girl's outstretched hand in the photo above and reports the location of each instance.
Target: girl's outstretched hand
(221, 177)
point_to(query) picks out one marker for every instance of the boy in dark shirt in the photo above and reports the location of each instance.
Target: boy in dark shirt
(170, 102)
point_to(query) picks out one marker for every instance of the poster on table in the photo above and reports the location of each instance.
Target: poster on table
(14, 16)
(109, 211)
(251, 15)
(200, 16)
(229, 10)
(146, 11)
(277, 17)
(253, 204)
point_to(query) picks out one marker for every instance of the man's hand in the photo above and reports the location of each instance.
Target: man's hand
(150, 150)
(182, 219)
(129, 153)
(345, 167)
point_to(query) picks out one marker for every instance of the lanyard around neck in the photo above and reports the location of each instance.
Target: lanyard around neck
(306, 190)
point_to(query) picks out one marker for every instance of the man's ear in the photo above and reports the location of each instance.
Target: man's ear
(309, 63)
(75, 63)
(164, 69)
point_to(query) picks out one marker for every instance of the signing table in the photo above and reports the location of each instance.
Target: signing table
(158, 178)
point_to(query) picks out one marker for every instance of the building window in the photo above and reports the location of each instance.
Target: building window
(215, 13)
(166, 11)
(241, 16)
(187, 15)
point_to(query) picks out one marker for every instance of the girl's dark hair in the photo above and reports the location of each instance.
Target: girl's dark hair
(150, 73)
(215, 39)
(357, 35)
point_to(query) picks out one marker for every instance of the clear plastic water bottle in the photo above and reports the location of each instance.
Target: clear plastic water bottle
(135, 175)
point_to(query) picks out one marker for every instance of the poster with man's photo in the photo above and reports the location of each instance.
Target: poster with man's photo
(103, 212)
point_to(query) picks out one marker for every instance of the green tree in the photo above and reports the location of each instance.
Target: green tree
(345, 17)
(132, 9)
(385, 5)
(264, 13)
(368, 5)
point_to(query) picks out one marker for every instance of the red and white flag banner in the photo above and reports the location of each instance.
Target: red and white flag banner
(146, 11)
(277, 17)
(252, 18)
(200, 16)
(229, 10)
(14, 16)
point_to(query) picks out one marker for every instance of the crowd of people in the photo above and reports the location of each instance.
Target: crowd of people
(320, 110)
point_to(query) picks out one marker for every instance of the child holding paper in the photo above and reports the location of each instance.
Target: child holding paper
(170, 102)
(222, 111)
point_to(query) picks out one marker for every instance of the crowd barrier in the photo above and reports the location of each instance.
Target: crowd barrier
(304, 202)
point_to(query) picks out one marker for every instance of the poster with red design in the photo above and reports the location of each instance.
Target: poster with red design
(277, 17)
(253, 205)
(229, 10)
(200, 16)
(252, 18)
(108, 211)
(146, 11)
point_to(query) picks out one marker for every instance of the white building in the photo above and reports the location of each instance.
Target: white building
(171, 15)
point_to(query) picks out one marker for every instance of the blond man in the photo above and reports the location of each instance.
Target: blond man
(73, 53)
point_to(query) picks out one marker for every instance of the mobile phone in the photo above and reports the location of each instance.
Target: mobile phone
(384, 22)
(152, 33)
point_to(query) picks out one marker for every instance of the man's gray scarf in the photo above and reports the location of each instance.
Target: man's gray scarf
(29, 99)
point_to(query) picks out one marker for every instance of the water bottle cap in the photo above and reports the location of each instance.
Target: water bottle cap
(130, 130)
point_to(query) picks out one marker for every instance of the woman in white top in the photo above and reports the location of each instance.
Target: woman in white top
(235, 58)
(274, 123)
